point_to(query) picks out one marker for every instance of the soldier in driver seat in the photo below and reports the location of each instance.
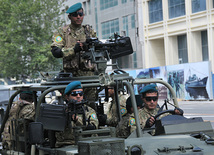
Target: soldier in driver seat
(151, 107)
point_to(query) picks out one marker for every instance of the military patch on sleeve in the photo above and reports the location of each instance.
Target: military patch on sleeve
(123, 111)
(131, 121)
(58, 39)
(93, 116)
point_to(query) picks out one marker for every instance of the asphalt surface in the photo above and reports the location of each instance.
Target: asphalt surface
(204, 109)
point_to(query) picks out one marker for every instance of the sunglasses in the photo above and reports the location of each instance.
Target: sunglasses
(75, 14)
(151, 98)
(75, 93)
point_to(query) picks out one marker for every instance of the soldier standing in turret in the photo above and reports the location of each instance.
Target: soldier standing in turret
(68, 43)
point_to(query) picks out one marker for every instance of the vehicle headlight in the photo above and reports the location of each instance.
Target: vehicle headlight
(135, 150)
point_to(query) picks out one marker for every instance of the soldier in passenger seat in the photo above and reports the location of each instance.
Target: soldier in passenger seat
(23, 109)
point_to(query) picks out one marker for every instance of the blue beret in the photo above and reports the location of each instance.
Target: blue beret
(74, 8)
(149, 88)
(71, 86)
(138, 101)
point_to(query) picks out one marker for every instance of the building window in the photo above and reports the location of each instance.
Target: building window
(155, 11)
(123, 62)
(85, 8)
(124, 1)
(204, 43)
(125, 26)
(176, 8)
(89, 7)
(109, 28)
(105, 4)
(96, 17)
(182, 49)
(135, 59)
(198, 5)
(133, 21)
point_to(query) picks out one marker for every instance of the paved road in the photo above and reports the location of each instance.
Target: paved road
(204, 109)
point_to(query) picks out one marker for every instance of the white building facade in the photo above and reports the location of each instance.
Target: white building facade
(176, 31)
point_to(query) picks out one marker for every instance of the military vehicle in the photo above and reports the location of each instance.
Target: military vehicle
(175, 134)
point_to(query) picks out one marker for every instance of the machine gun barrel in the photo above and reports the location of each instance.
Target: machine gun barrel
(110, 43)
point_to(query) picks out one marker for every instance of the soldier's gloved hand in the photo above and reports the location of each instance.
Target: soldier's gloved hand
(102, 119)
(179, 111)
(77, 48)
(84, 47)
(57, 52)
(85, 56)
(90, 127)
(150, 122)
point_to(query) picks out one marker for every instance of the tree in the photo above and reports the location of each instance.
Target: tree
(25, 37)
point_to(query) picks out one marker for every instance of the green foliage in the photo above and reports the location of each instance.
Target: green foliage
(25, 37)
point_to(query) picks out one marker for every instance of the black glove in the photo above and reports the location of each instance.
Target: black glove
(181, 112)
(85, 56)
(57, 52)
(85, 47)
(102, 119)
(77, 48)
(148, 125)
(90, 127)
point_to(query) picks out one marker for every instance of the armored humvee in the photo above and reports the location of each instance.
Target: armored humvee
(174, 134)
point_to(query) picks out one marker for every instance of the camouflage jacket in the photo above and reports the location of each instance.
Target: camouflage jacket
(126, 126)
(65, 38)
(67, 136)
(112, 116)
(144, 114)
(19, 110)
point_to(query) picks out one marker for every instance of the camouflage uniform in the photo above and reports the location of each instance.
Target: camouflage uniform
(67, 137)
(112, 116)
(123, 98)
(126, 126)
(19, 110)
(144, 114)
(65, 38)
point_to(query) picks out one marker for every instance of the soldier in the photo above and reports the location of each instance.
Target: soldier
(21, 110)
(127, 125)
(74, 95)
(112, 115)
(151, 107)
(68, 43)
